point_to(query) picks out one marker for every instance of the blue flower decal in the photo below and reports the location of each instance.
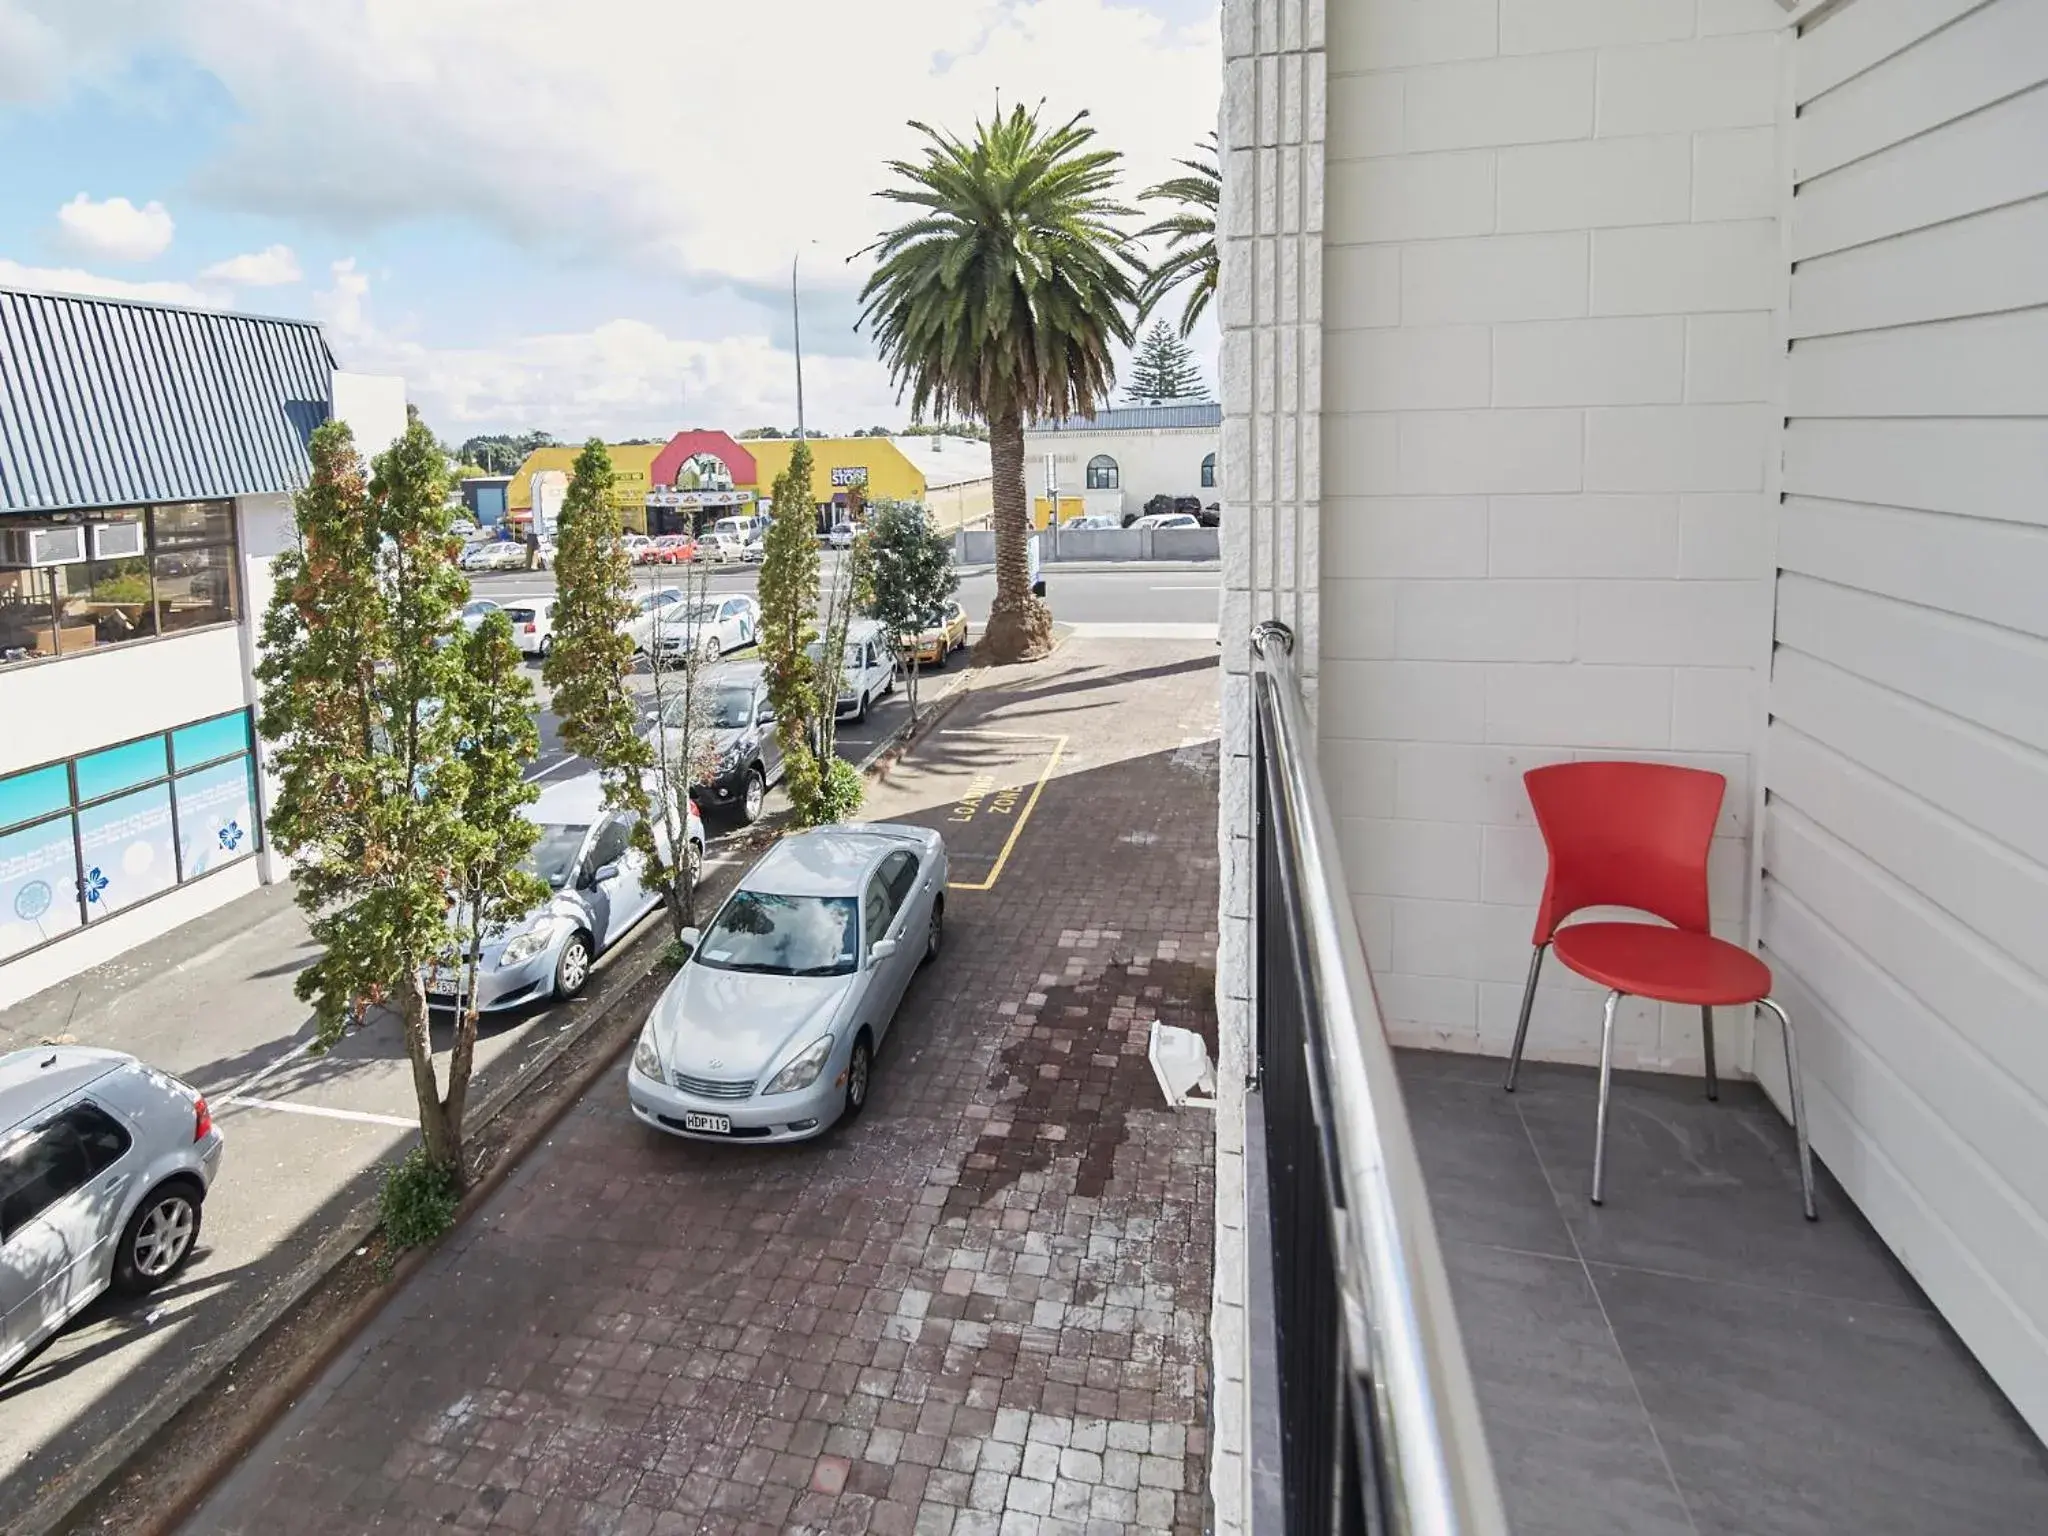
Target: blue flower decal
(231, 836)
(95, 883)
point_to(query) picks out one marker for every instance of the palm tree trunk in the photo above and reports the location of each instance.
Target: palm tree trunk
(1019, 625)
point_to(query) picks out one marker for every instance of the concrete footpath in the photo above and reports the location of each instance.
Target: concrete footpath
(982, 1307)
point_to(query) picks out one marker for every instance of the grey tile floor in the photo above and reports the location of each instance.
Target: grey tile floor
(1694, 1358)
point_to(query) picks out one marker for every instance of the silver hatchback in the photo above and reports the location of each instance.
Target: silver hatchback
(104, 1165)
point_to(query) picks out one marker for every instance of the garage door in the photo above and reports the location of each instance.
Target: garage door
(1906, 837)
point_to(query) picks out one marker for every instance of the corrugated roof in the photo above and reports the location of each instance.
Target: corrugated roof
(946, 461)
(108, 402)
(1138, 418)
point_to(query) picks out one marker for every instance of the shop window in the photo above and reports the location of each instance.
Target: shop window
(1209, 473)
(150, 572)
(96, 834)
(1102, 473)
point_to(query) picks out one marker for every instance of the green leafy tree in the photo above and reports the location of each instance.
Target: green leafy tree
(397, 747)
(1002, 298)
(502, 453)
(912, 575)
(592, 655)
(680, 740)
(788, 594)
(753, 432)
(1189, 257)
(1164, 368)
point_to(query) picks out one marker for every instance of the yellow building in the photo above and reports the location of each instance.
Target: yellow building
(631, 480)
(839, 463)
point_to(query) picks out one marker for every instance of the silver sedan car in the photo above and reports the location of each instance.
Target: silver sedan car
(104, 1165)
(769, 1033)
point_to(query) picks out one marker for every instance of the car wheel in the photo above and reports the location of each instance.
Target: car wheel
(159, 1238)
(935, 934)
(695, 856)
(861, 713)
(755, 797)
(712, 649)
(889, 687)
(860, 1069)
(573, 968)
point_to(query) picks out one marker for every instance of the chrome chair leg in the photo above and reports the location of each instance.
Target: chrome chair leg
(1522, 1027)
(1707, 1036)
(1798, 1105)
(1606, 1080)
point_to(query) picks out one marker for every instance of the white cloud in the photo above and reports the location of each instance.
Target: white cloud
(268, 268)
(116, 229)
(76, 280)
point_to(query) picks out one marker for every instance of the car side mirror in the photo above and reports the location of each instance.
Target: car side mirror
(881, 950)
(767, 715)
(605, 874)
(690, 938)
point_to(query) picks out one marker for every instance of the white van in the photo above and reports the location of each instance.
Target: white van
(744, 529)
(869, 671)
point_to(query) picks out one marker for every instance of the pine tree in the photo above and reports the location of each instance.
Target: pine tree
(788, 593)
(591, 654)
(1164, 368)
(913, 575)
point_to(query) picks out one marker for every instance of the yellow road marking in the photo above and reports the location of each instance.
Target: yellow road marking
(1052, 761)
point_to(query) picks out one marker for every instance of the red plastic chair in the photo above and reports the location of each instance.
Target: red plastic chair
(1636, 835)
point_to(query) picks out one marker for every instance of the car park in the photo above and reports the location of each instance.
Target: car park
(105, 1164)
(711, 627)
(672, 549)
(533, 625)
(638, 547)
(721, 548)
(867, 668)
(598, 891)
(768, 1033)
(494, 555)
(935, 644)
(741, 752)
(639, 628)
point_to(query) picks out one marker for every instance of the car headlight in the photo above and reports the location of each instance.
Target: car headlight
(523, 947)
(646, 1056)
(804, 1069)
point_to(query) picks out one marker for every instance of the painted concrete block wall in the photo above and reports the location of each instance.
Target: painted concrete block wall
(1550, 357)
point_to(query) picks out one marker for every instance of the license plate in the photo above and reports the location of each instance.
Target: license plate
(722, 1124)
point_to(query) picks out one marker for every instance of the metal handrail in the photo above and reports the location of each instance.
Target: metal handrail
(1428, 1451)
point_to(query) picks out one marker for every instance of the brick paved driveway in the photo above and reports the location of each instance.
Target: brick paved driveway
(980, 1309)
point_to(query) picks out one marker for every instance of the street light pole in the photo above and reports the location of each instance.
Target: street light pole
(796, 319)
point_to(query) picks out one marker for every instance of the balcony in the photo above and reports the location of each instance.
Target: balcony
(1690, 1357)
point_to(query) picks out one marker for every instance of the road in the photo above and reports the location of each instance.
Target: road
(1095, 600)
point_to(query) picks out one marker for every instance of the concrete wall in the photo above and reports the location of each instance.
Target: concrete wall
(973, 546)
(1150, 462)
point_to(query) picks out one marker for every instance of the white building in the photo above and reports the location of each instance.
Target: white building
(1667, 379)
(147, 458)
(1117, 460)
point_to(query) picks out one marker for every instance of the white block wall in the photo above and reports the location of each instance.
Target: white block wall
(1552, 274)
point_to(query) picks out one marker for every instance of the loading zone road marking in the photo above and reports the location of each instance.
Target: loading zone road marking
(1052, 761)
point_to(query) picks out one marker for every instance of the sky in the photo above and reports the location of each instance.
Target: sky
(577, 217)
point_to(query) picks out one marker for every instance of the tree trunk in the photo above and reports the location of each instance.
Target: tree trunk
(442, 1139)
(1019, 625)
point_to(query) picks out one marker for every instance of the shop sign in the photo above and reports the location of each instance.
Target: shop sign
(850, 474)
(699, 498)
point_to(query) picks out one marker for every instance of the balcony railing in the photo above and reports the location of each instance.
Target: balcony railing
(1364, 1417)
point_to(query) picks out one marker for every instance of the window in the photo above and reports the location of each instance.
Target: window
(899, 875)
(91, 836)
(614, 834)
(150, 572)
(1102, 473)
(106, 1141)
(38, 1171)
(876, 910)
(1209, 473)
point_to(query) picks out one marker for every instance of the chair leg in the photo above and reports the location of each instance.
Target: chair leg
(1522, 1026)
(1707, 1036)
(1606, 1080)
(1798, 1105)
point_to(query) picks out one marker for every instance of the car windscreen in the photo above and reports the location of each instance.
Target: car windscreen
(554, 855)
(519, 615)
(775, 935)
(727, 709)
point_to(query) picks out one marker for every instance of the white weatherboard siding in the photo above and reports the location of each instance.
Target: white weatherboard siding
(1552, 270)
(1905, 839)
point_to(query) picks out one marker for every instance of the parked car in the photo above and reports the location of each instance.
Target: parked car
(598, 892)
(745, 529)
(533, 625)
(1167, 520)
(932, 646)
(476, 610)
(867, 669)
(637, 547)
(494, 555)
(769, 1032)
(646, 605)
(842, 536)
(756, 549)
(105, 1164)
(672, 549)
(1089, 524)
(742, 751)
(712, 627)
(463, 528)
(723, 548)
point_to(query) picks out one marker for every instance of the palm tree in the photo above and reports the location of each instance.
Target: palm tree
(1191, 251)
(1002, 299)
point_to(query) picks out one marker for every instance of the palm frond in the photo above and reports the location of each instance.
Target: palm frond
(1189, 253)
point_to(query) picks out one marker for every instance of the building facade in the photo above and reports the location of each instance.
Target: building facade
(1667, 380)
(632, 479)
(147, 461)
(1117, 460)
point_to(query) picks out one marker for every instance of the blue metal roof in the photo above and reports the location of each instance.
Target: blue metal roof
(1138, 418)
(106, 402)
